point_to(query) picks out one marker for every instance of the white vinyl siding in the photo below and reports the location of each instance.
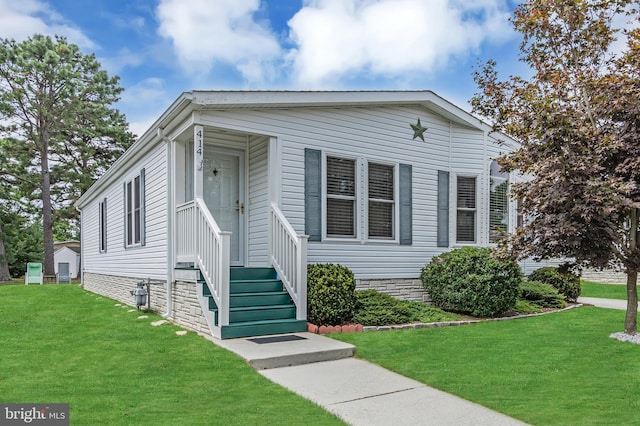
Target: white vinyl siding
(258, 203)
(148, 261)
(381, 135)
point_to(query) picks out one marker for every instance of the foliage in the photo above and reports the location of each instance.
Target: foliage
(526, 307)
(45, 329)
(556, 369)
(59, 131)
(471, 280)
(567, 283)
(330, 294)
(577, 121)
(375, 308)
(541, 294)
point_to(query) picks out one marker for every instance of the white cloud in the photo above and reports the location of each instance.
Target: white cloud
(389, 37)
(205, 32)
(20, 19)
(146, 92)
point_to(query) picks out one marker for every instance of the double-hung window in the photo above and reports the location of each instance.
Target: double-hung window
(134, 210)
(102, 223)
(341, 197)
(466, 210)
(356, 199)
(381, 184)
(498, 202)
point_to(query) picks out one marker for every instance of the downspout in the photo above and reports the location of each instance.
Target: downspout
(170, 230)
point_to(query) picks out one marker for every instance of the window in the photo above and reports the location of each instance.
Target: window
(102, 223)
(381, 201)
(498, 202)
(341, 197)
(354, 199)
(134, 210)
(466, 210)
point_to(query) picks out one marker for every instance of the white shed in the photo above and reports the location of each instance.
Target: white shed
(67, 261)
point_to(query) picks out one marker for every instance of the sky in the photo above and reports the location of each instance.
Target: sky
(161, 48)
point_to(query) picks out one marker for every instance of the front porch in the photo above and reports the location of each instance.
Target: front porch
(229, 232)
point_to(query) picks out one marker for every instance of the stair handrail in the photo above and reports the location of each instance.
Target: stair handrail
(213, 248)
(185, 231)
(289, 258)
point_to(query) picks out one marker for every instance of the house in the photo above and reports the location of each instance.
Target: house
(66, 258)
(230, 194)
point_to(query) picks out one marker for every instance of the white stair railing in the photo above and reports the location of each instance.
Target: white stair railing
(289, 258)
(212, 248)
(185, 232)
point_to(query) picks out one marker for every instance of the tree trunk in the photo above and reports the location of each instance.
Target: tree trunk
(47, 212)
(631, 319)
(4, 264)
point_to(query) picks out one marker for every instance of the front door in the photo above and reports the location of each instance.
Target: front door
(223, 188)
(63, 272)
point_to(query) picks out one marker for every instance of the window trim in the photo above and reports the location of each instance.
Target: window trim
(102, 226)
(326, 196)
(361, 213)
(134, 216)
(474, 210)
(504, 177)
(396, 204)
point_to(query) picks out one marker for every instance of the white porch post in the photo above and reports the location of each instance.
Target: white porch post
(274, 171)
(198, 159)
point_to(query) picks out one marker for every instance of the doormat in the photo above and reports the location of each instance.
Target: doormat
(276, 339)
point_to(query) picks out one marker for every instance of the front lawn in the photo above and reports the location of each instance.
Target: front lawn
(605, 291)
(61, 344)
(556, 369)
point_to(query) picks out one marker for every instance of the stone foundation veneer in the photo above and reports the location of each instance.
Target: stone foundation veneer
(610, 276)
(185, 310)
(400, 288)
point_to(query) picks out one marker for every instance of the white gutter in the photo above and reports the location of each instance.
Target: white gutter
(170, 230)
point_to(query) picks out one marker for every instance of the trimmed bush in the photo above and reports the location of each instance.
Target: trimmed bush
(471, 280)
(566, 282)
(331, 295)
(541, 294)
(375, 308)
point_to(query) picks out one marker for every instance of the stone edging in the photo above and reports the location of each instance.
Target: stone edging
(456, 323)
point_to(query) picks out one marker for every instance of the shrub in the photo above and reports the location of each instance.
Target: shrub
(566, 282)
(330, 294)
(541, 294)
(471, 280)
(375, 308)
(526, 307)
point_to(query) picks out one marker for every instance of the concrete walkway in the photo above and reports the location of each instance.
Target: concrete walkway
(322, 370)
(605, 303)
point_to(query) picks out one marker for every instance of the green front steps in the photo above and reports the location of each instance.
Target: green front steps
(259, 305)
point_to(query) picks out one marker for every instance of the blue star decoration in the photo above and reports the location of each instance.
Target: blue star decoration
(418, 130)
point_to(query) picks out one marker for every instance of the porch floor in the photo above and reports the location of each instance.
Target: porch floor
(305, 349)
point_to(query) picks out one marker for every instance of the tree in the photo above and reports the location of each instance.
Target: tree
(576, 127)
(57, 103)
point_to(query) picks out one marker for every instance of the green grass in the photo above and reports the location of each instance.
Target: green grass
(557, 369)
(62, 344)
(606, 291)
